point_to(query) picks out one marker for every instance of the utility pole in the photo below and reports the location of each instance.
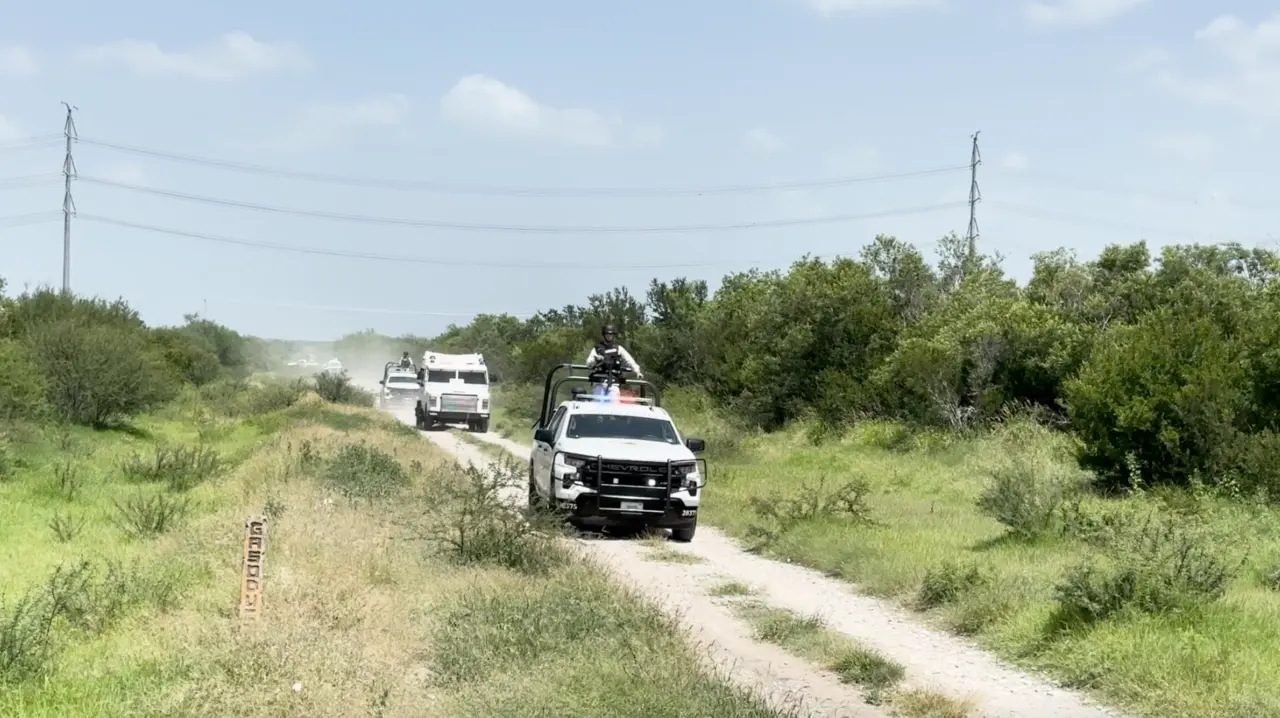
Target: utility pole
(68, 204)
(975, 196)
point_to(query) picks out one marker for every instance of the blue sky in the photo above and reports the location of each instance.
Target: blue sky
(1102, 121)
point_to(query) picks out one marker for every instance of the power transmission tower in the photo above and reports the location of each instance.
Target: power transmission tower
(975, 196)
(68, 204)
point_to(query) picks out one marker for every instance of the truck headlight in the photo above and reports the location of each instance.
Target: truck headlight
(484, 404)
(569, 464)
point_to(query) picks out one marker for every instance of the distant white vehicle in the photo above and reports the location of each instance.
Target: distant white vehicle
(400, 387)
(305, 362)
(333, 365)
(455, 390)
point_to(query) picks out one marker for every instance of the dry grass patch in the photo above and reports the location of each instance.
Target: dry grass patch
(365, 614)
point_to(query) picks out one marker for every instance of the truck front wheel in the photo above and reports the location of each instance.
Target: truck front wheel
(535, 500)
(684, 535)
(481, 426)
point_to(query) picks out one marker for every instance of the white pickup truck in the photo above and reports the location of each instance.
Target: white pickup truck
(615, 462)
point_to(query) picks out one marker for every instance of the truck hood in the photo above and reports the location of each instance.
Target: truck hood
(626, 449)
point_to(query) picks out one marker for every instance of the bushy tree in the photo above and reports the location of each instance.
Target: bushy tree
(100, 374)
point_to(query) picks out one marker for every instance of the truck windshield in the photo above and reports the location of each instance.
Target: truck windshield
(402, 381)
(609, 426)
(473, 377)
(439, 375)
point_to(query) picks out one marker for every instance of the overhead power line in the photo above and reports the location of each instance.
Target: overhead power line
(21, 220)
(1089, 185)
(543, 229)
(23, 143)
(362, 310)
(404, 259)
(28, 180)
(1071, 218)
(462, 189)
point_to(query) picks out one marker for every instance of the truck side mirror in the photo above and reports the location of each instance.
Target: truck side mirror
(543, 436)
(695, 445)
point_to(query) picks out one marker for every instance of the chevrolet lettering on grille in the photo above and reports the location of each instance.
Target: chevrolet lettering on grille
(629, 469)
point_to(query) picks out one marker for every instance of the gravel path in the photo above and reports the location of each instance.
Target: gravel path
(933, 659)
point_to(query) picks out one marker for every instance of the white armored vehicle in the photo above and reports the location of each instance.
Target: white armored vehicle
(614, 461)
(454, 390)
(400, 387)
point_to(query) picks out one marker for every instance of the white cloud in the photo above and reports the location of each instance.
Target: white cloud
(1078, 13)
(17, 60)
(1188, 146)
(10, 130)
(326, 123)
(234, 56)
(834, 7)
(1015, 162)
(762, 141)
(493, 107)
(1249, 57)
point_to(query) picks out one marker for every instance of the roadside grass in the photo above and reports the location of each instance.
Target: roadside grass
(731, 589)
(881, 679)
(366, 612)
(1158, 640)
(493, 451)
(920, 538)
(659, 550)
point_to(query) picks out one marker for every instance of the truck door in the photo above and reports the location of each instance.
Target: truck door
(544, 454)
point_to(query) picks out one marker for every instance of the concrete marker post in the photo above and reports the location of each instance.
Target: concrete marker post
(255, 549)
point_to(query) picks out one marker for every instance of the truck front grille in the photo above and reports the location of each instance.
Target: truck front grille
(459, 402)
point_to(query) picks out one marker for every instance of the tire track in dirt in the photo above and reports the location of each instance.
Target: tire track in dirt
(788, 683)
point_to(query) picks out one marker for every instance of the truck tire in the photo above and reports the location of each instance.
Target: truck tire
(535, 501)
(684, 535)
(482, 426)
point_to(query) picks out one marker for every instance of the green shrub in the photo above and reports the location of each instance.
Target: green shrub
(1026, 492)
(193, 362)
(141, 517)
(180, 467)
(1156, 566)
(949, 581)
(365, 472)
(239, 398)
(99, 375)
(1162, 397)
(87, 596)
(469, 520)
(23, 384)
(338, 388)
(778, 514)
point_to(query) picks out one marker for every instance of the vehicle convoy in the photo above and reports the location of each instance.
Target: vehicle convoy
(454, 390)
(400, 387)
(614, 461)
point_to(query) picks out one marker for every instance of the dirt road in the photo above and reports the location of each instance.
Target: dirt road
(934, 660)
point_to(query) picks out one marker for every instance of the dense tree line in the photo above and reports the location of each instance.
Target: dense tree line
(1167, 368)
(94, 362)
